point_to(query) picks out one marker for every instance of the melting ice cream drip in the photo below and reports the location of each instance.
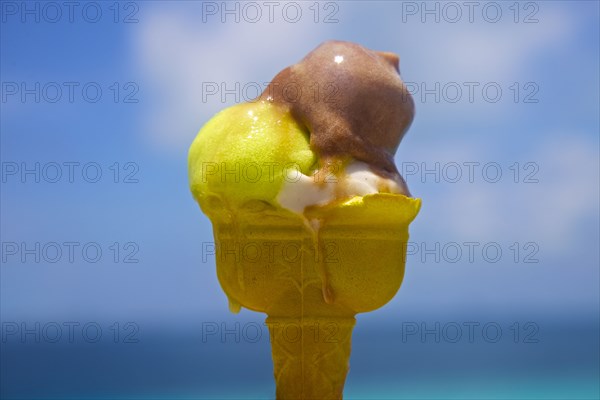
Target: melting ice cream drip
(300, 191)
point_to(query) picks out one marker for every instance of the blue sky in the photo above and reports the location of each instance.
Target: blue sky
(162, 61)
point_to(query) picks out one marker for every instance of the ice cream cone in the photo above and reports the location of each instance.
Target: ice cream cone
(310, 215)
(310, 356)
(311, 274)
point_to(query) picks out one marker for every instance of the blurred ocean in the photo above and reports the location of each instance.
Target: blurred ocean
(549, 360)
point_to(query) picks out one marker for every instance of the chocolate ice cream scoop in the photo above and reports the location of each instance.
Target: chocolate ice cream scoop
(351, 100)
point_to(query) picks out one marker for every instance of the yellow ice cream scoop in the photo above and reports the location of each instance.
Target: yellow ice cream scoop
(306, 241)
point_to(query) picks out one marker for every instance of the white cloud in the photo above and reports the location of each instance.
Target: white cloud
(177, 53)
(483, 50)
(551, 212)
(569, 194)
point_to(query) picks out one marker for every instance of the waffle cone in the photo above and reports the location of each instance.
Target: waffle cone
(310, 356)
(311, 276)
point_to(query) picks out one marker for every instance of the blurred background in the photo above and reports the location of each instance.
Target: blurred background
(108, 289)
